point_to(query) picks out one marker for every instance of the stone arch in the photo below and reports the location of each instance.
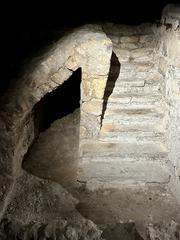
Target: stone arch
(87, 47)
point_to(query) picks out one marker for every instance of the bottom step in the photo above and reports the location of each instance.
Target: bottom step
(138, 171)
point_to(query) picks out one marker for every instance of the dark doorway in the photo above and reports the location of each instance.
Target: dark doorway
(54, 152)
(58, 103)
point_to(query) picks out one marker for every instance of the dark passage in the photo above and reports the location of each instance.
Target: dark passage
(58, 103)
(54, 152)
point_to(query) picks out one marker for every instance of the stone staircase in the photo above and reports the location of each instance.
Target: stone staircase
(131, 146)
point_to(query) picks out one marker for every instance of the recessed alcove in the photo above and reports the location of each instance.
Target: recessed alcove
(58, 103)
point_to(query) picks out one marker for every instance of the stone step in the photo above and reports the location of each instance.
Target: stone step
(132, 66)
(119, 128)
(128, 83)
(115, 105)
(134, 88)
(127, 158)
(137, 41)
(133, 113)
(132, 137)
(131, 71)
(133, 119)
(138, 55)
(103, 149)
(133, 81)
(143, 171)
(136, 100)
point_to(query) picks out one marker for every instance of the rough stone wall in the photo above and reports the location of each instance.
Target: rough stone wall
(87, 47)
(169, 49)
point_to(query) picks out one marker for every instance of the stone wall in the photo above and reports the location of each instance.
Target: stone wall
(148, 53)
(169, 49)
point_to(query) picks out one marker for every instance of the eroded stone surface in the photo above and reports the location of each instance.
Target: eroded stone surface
(121, 231)
(42, 209)
(168, 232)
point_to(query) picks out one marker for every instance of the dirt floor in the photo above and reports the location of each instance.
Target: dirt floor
(141, 206)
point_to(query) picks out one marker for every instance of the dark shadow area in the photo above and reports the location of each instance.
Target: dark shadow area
(27, 28)
(121, 231)
(113, 76)
(54, 151)
(58, 103)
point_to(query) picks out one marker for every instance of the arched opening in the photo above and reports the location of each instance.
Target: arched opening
(58, 103)
(54, 152)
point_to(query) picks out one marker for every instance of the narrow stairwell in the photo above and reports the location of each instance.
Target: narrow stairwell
(132, 144)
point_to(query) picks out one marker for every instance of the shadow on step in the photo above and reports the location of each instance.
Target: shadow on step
(113, 76)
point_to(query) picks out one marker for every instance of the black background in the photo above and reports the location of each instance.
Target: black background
(29, 26)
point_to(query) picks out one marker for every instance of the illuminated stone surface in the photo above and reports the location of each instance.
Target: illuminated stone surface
(129, 116)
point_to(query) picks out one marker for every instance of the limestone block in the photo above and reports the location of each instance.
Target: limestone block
(129, 39)
(73, 62)
(136, 68)
(109, 149)
(86, 89)
(146, 38)
(151, 77)
(87, 120)
(142, 54)
(97, 56)
(163, 66)
(93, 88)
(129, 46)
(98, 86)
(60, 76)
(83, 132)
(92, 107)
(122, 54)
